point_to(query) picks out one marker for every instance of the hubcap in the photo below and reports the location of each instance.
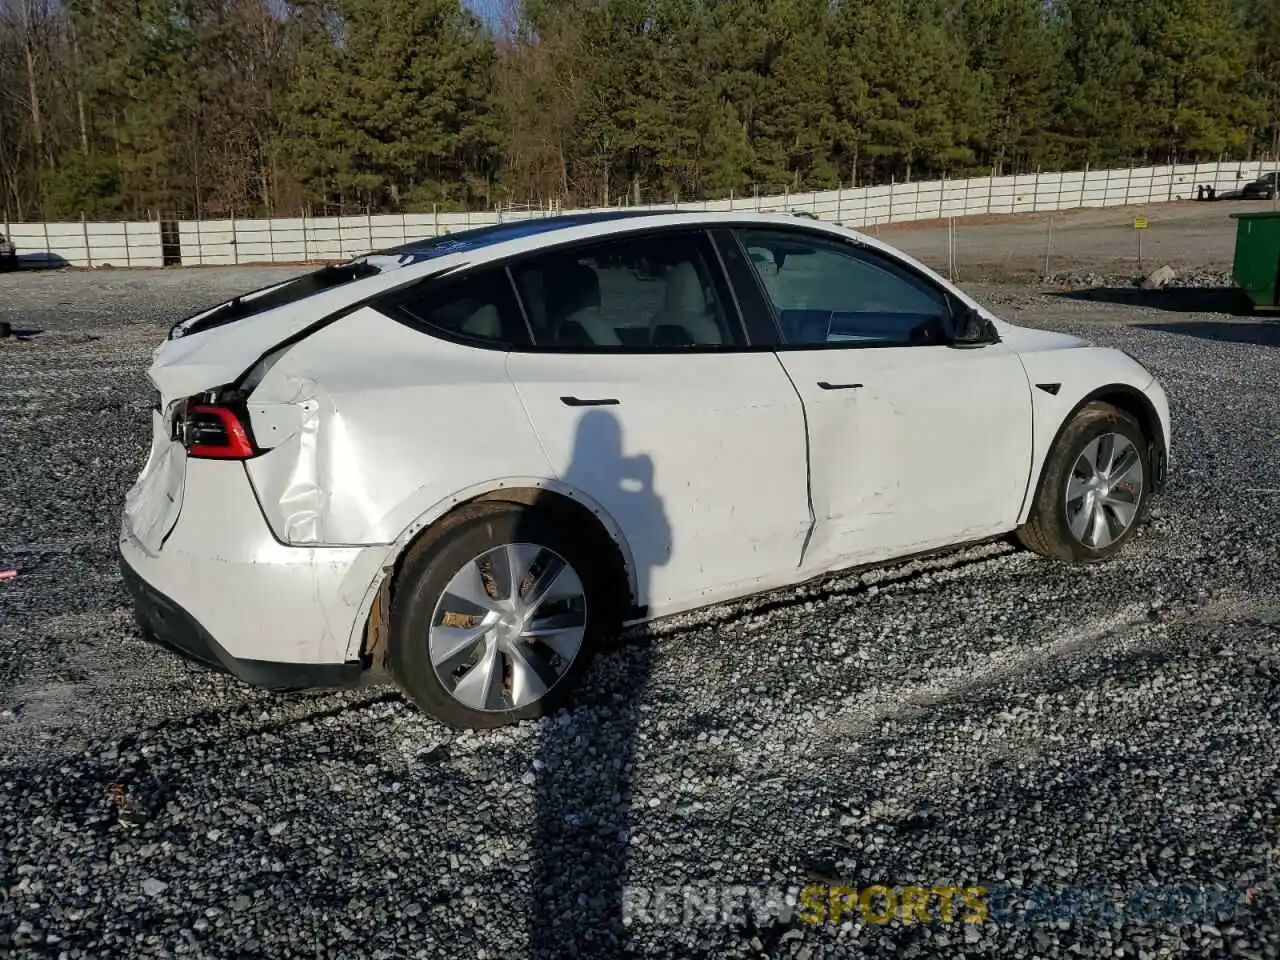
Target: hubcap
(507, 627)
(1104, 491)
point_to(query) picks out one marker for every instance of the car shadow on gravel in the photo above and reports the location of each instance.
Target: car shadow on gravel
(584, 765)
(44, 260)
(1262, 333)
(1228, 300)
(8, 331)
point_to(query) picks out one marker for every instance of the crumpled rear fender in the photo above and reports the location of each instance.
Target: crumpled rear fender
(369, 423)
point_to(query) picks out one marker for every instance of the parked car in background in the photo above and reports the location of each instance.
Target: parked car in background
(469, 460)
(1264, 188)
(8, 253)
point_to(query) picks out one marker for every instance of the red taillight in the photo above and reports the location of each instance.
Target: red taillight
(209, 431)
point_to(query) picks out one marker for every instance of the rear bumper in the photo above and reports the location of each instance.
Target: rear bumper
(167, 624)
(222, 589)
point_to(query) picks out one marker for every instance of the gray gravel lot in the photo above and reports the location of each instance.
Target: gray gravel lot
(1185, 235)
(1096, 747)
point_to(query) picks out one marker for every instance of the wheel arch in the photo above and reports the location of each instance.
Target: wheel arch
(368, 640)
(1123, 396)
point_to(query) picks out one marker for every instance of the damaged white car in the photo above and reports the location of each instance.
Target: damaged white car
(467, 462)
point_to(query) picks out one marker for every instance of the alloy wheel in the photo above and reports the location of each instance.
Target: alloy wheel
(1104, 490)
(507, 627)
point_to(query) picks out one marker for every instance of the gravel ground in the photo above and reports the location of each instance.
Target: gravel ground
(1095, 748)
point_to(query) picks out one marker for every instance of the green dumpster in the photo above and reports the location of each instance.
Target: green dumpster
(1257, 266)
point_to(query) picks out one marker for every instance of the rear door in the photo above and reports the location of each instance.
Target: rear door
(913, 443)
(645, 400)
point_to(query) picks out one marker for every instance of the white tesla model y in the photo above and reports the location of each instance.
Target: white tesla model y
(468, 461)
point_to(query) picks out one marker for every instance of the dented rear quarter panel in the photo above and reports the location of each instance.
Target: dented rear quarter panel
(375, 424)
(378, 431)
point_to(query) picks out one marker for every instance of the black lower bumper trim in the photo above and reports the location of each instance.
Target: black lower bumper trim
(1159, 468)
(165, 623)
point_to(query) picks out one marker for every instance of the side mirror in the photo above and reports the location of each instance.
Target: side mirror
(973, 329)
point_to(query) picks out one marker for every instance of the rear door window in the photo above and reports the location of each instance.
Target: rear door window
(660, 291)
(477, 307)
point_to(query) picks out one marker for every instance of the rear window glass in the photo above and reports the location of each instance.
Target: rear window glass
(279, 295)
(272, 296)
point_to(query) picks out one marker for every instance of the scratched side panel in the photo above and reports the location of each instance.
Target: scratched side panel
(932, 447)
(700, 457)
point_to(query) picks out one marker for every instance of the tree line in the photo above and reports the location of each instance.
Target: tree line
(208, 108)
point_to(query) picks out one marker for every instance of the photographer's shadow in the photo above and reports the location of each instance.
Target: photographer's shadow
(585, 763)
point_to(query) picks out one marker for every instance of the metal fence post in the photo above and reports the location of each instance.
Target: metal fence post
(889, 219)
(435, 220)
(235, 247)
(84, 229)
(951, 247)
(271, 239)
(128, 258)
(1048, 253)
(306, 247)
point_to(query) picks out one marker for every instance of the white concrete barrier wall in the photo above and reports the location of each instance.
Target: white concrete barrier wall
(310, 239)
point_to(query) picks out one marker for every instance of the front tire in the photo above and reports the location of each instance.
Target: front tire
(495, 621)
(1095, 488)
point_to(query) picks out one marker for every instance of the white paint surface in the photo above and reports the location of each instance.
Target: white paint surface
(718, 473)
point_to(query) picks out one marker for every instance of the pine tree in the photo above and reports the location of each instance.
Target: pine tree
(1014, 47)
(393, 104)
(1195, 91)
(1103, 79)
(913, 105)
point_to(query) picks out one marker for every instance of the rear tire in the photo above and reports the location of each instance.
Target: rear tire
(473, 652)
(1095, 488)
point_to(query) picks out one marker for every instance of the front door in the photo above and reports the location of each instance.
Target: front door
(913, 444)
